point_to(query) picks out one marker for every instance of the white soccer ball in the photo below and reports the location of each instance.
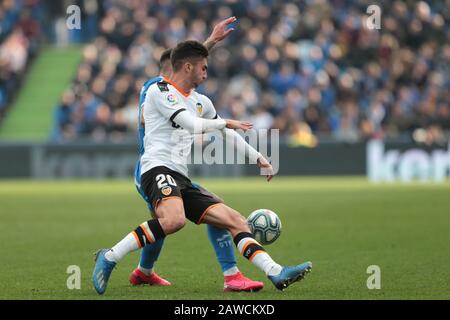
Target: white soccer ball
(265, 226)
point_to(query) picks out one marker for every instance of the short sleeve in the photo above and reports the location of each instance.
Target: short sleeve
(210, 111)
(160, 98)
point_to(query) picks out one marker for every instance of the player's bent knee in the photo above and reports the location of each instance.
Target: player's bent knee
(178, 223)
(172, 224)
(171, 215)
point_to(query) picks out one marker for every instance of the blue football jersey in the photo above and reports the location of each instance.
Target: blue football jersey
(140, 136)
(141, 129)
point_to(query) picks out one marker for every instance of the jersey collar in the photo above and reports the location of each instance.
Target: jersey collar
(186, 94)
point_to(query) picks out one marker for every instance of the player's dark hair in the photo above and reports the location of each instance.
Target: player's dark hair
(165, 56)
(187, 50)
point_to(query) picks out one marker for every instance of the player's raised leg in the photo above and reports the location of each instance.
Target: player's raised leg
(198, 201)
(223, 216)
(171, 219)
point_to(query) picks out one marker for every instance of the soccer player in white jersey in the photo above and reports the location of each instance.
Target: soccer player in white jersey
(173, 114)
(234, 280)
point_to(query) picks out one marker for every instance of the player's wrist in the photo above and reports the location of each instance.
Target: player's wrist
(210, 43)
(259, 156)
(221, 123)
(228, 123)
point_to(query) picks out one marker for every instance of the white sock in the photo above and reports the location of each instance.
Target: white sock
(147, 272)
(266, 264)
(261, 259)
(231, 271)
(125, 246)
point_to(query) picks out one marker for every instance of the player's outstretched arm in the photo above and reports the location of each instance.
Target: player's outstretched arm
(219, 32)
(235, 124)
(199, 125)
(245, 149)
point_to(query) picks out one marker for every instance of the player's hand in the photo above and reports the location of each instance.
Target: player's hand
(266, 166)
(235, 124)
(220, 32)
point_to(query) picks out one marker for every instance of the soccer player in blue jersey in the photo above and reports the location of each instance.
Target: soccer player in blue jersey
(220, 239)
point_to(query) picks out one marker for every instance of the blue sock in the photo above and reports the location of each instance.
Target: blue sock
(223, 246)
(150, 253)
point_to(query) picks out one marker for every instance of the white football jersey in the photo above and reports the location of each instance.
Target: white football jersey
(165, 142)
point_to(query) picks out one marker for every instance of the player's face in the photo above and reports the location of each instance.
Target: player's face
(199, 72)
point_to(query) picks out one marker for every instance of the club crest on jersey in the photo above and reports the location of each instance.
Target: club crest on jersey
(166, 191)
(199, 108)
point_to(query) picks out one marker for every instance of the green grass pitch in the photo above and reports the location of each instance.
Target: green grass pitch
(343, 225)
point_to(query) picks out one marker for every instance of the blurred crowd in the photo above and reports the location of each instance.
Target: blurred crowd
(57, 13)
(19, 38)
(311, 69)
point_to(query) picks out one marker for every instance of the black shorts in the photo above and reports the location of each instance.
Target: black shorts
(161, 183)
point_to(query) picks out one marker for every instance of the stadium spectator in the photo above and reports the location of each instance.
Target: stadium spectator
(317, 61)
(19, 42)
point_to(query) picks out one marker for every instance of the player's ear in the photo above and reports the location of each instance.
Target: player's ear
(188, 67)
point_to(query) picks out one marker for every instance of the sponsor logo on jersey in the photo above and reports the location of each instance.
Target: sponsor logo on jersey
(166, 191)
(199, 108)
(172, 99)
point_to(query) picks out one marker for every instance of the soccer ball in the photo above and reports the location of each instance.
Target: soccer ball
(265, 226)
